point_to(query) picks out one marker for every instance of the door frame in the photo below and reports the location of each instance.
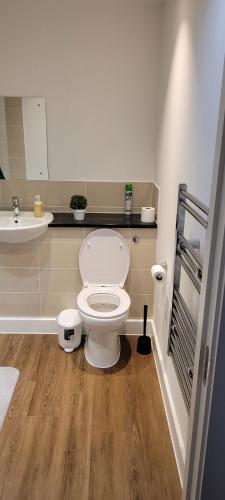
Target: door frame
(209, 324)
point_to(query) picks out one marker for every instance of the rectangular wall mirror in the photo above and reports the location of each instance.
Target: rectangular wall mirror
(23, 138)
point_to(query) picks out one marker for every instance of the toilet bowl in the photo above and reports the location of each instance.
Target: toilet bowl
(103, 304)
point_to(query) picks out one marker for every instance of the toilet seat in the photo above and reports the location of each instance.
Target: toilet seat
(111, 295)
(104, 258)
(104, 263)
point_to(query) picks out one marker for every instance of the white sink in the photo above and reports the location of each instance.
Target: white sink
(27, 228)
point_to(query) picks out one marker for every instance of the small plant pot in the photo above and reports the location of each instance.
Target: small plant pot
(79, 214)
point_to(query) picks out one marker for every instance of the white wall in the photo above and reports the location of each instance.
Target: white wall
(193, 57)
(97, 63)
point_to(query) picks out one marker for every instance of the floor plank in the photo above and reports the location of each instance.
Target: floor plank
(74, 432)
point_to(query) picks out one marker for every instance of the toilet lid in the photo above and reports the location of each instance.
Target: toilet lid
(104, 258)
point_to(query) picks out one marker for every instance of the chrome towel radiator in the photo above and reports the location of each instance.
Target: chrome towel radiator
(183, 331)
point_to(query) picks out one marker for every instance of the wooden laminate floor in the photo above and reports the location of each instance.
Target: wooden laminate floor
(78, 433)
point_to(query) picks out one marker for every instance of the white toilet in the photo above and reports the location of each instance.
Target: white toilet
(103, 304)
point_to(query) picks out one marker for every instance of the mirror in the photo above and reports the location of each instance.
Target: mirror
(23, 138)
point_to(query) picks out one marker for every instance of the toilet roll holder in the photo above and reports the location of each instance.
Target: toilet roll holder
(165, 266)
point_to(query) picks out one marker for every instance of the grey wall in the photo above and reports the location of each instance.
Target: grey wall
(214, 478)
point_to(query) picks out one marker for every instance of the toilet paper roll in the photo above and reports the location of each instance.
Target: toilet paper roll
(147, 214)
(158, 273)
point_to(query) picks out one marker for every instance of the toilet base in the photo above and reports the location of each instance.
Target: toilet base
(102, 350)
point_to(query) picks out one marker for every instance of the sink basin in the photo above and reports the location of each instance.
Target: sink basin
(27, 228)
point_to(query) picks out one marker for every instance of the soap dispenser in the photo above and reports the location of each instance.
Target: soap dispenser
(38, 206)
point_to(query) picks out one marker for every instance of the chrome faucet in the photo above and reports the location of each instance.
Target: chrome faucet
(16, 206)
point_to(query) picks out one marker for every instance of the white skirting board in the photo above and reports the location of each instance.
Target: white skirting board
(177, 442)
(35, 325)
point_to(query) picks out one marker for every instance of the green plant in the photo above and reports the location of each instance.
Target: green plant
(78, 202)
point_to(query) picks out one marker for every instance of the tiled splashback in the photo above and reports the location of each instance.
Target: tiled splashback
(102, 196)
(41, 277)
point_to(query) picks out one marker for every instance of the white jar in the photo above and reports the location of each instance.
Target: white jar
(69, 329)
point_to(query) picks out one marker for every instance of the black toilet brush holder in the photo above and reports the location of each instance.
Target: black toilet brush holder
(144, 345)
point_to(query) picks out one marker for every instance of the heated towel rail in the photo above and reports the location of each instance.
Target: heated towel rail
(183, 331)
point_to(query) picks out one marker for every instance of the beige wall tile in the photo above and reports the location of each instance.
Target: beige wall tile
(59, 254)
(60, 280)
(19, 304)
(127, 283)
(1, 182)
(109, 210)
(155, 199)
(140, 282)
(13, 102)
(102, 196)
(146, 236)
(123, 231)
(15, 134)
(142, 256)
(16, 150)
(53, 303)
(63, 234)
(155, 195)
(14, 116)
(3, 138)
(19, 280)
(59, 250)
(19, 254)
(25, 190)
(17, 168)
(111, 194)
(137, 305)
(19, 175)
(53, 208)
(88, 230)
(142, 194)
(58, 193)
(136, 210)
(105, 194)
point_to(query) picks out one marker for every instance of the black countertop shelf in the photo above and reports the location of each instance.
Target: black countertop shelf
(101, 220)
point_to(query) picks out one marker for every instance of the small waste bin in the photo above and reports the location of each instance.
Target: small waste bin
(69, 329)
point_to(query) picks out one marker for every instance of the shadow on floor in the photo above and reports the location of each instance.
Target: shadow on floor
(125, 356)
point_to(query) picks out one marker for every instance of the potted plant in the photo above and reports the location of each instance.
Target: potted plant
(78, 204)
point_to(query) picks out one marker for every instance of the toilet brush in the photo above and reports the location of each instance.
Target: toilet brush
(144, 342)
